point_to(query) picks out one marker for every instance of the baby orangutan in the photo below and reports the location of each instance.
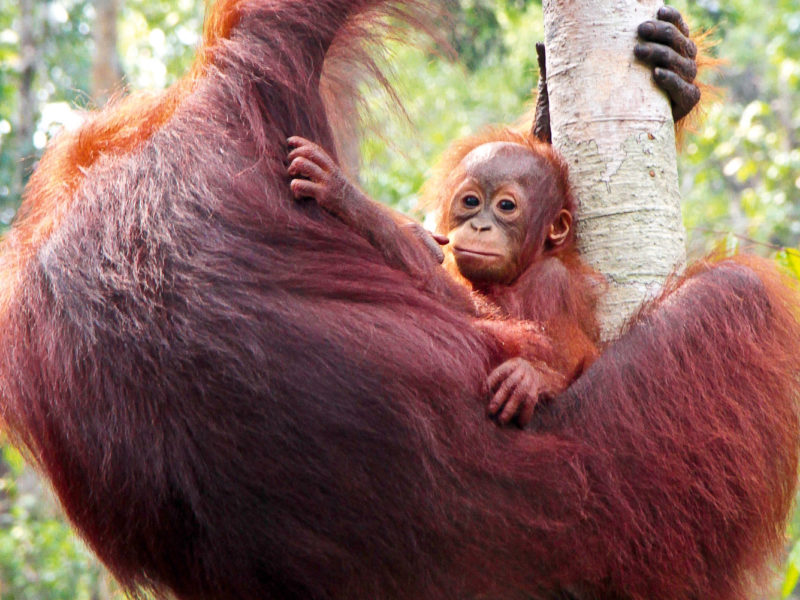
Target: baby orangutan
(510, 209)
(505, 203)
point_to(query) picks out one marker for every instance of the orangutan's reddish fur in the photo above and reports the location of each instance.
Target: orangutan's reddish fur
(235, 397)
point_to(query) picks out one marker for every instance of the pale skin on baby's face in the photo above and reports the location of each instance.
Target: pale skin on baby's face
(488, 211)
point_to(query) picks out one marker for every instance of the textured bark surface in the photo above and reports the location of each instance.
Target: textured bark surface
(26, 113)
(614, 127)
(106, 70)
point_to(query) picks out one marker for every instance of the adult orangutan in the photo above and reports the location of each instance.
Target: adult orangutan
(235, 395)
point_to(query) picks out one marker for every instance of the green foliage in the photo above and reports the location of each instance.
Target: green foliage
(9, 55)
(61, 33)
(741, 172)
(455, 101)
(478, 31)
(156, 43)
(157, 39)
(40, 558)
(792, 571)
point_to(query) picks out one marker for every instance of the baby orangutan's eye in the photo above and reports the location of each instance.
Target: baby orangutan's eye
(471, 201)
(507, 205)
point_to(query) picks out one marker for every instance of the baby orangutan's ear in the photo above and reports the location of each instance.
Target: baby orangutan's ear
(560, 228)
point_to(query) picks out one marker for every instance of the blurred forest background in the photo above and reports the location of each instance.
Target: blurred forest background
(740, 169)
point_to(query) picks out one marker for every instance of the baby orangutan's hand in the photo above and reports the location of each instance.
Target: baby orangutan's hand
(316, 175)
(518, 386)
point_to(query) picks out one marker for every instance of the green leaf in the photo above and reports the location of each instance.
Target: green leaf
(789, 258)
(790, 580)
(13, 459)
(793, 260)
(792, 571)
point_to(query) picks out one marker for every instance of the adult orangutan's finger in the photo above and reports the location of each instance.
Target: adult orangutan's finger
(665, 57)
(667, 34)
(541, 120)
(684, 95)
(673, 15)
(541, 58)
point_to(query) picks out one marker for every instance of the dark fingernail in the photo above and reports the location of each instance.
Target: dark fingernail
(647, 29)
(640, 51)
(659, 74)
(665, 12)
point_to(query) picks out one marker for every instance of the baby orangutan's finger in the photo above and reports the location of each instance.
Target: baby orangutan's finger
(514, 403)
(502, 394)
(499, 375)
(302, 188)
(311, 151)
(302, 167)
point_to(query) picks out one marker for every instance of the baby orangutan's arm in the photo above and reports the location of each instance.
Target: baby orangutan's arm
(404, 243)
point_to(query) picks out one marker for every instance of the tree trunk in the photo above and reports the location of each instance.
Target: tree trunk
(106, 70)
(26, 111)
(614, 127)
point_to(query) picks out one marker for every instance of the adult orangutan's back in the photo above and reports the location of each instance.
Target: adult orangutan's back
(235, 397)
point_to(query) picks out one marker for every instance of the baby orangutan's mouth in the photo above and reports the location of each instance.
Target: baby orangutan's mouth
(471, 252)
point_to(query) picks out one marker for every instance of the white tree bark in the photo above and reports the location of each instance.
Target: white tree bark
(614, 127)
